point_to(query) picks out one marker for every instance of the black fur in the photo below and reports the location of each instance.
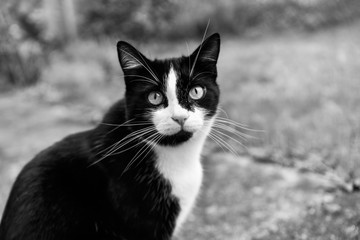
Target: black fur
(65, 192)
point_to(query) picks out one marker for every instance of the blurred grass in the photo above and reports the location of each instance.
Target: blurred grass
(301, 89)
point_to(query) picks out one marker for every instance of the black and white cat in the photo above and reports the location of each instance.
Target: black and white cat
(137, 174)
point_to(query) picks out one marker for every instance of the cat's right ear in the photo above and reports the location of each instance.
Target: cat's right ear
(129, 57)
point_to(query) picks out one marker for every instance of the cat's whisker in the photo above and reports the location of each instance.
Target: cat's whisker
(126, 140)
(231, 131)
(144, 123)
(152, 142)
(117, 127)
(216, 141)
(220, 109)
(140, 152)
(221, 143)
(126, 149)
(134, 136)
(198, 53)
(112, 153)
(235, 130)
(225, 144)
(126, 137)
(226, 135)
(126, 125)
(239, 125)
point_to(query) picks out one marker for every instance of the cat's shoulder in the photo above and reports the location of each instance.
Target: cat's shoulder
(72, 152)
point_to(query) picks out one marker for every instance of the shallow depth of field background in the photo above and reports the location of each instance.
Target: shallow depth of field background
(289, 70)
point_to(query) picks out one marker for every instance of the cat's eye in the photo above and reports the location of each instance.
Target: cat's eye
(197, 92)
(155, 98)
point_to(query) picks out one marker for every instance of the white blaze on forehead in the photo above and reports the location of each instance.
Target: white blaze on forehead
(171, 87)
(171, 90)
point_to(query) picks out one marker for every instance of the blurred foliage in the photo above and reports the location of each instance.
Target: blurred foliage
(174, 19)
(134, 19)
(22, 47)
(31, 29)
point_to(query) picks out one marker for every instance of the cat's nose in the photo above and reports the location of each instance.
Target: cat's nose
(179, 119)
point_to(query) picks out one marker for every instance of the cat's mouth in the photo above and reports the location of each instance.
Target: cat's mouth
(176, 138)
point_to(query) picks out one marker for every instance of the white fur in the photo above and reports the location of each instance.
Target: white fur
(181, 164)
(182, 167)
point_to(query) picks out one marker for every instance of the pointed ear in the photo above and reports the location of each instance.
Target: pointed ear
(208, 51)
(129, 56)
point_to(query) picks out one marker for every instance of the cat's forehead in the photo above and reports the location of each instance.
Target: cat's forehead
(178, 66)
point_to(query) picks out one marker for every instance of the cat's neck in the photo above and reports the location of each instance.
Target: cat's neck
(183, 154)
(182, 167)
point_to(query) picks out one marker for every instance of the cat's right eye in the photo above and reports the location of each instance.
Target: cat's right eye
(155, 98)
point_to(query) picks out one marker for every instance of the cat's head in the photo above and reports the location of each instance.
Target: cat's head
(177, 97)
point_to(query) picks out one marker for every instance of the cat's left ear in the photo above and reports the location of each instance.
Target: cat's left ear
(129, 56)
(208, 51)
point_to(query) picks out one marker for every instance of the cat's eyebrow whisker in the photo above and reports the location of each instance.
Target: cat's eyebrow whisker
(149, 68)
(199, 74)
(146, 67)
(142, 78)
(197, 54)
(147, 81)
(188, 50)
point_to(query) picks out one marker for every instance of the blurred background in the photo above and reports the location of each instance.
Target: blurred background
(288, 70)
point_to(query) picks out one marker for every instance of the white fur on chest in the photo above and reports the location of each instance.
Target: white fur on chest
(182, 167)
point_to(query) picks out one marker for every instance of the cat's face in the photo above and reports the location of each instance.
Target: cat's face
(177, 97)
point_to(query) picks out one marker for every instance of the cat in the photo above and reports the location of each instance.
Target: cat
(137, 174)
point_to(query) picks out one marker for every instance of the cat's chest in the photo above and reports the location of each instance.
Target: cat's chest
(182, 167)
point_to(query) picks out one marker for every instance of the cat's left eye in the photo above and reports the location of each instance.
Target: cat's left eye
(155, 98)
(197, 93)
